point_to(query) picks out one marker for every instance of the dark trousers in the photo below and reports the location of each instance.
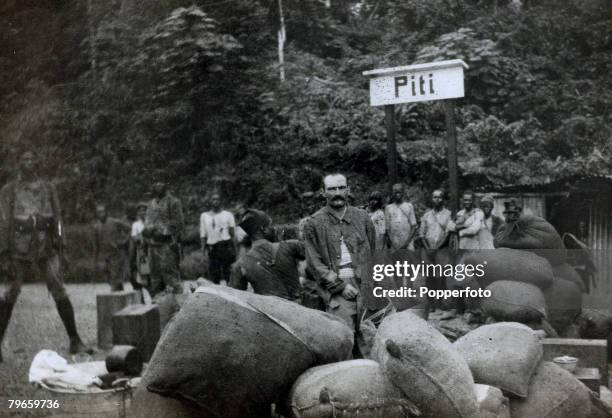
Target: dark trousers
(49, 269)
(165, 270)
(112, 268)
(221, 256)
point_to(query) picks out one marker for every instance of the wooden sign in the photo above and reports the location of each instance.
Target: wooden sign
(417, 83)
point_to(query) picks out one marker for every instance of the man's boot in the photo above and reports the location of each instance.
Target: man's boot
(66, 312)
(6, 308)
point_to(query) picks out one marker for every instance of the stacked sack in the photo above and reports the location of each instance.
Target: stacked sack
(493, 371)
(528, 277)
(231, 353)
(508, 356)
(534, 234)
(413, 371)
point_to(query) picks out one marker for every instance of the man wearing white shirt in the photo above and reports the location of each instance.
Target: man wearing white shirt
(217, 230)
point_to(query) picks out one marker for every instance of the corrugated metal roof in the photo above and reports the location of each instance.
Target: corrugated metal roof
(583, 182)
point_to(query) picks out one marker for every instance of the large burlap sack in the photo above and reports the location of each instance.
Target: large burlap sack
(566, 272)
(504, 355)
(228, 350)
(425, 366)
(346, 390)
(563, 304)
(401, 303)
(491, 402)
(600, 408)
(553, 393)
(168, 304)
(512, 265)
(514, 302)
(145, 404)
(535, 234)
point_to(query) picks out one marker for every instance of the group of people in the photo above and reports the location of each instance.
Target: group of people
(397, 226)
(154, 243)
(322, 269)
(337, 239)
(32, 243)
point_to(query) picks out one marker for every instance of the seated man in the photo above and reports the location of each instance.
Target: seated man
(271, 268)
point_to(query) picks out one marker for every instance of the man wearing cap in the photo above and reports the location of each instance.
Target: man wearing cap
(163, 227)
(31, 242)
(339, 241)
(270, 267)
(111, 236)
(512, 211)
(491, 223)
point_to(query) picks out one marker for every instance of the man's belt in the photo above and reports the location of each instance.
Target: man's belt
(346, 272)
(223, 243)
(29, 225)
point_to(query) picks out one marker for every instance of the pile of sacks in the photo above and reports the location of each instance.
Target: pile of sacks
(302, 367)
(493, 371)
(229, 353)
(529, 278)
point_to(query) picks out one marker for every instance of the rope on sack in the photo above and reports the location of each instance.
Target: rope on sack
(250, 306)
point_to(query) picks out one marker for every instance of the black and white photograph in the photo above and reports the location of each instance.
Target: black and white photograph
(306, 208)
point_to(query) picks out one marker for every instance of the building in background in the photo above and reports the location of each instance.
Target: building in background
(580, 205)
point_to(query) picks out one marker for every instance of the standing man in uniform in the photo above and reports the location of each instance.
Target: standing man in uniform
(339, 241)
(163, 228)
(31, 242)
(217, 235)
(400, 220)
(111, 237)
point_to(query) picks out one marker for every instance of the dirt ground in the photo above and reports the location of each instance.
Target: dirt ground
(35, 325)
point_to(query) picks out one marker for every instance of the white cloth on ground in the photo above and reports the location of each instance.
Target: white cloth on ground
(53, 370)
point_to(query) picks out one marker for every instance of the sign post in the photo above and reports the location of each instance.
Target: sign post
(451, 135)
(442, 80)
(391, 145)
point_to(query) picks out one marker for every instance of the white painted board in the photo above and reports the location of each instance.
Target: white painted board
(417, 83)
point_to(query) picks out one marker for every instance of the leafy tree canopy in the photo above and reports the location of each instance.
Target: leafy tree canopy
(109, 91)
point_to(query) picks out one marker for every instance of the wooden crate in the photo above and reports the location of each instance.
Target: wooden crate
(107, 304)
(590, 353)
(590, 376)
(139, 326)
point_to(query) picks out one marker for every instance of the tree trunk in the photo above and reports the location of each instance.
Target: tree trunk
(281, 42)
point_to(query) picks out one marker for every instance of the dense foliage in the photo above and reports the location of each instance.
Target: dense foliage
(109, 91)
